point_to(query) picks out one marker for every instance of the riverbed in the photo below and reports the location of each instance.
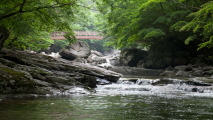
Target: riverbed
(124, 100)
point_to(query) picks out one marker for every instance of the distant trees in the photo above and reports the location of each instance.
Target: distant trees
(147, 21)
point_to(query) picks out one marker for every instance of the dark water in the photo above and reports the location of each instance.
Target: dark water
(118, 107)
(112, 102)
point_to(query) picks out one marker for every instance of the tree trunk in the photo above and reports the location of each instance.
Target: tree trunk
(4, 34)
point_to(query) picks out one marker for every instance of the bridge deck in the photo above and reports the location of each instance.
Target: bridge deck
(79, 35)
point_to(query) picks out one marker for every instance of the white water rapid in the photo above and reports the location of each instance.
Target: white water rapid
(146, 86)
(170, 87)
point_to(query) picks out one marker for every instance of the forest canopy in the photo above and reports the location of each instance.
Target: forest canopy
(28, 23)
(143, 22)
(125, 23)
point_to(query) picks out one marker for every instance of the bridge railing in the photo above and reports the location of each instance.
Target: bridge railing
(78, 33)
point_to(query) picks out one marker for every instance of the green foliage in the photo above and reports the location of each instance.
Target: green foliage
(202, 25)
(190, 39)
(208, 44)
(61, 43)
(141, 21)
(145, 22)
(30, 20)
(34, 42)
(97, 45)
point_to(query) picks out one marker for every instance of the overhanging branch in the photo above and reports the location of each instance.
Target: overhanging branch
(35, 9)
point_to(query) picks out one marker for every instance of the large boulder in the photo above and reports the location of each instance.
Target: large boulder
(170, 52)
(76, 50)
(131, 57)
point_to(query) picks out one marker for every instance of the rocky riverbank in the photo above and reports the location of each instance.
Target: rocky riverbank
(31, 73)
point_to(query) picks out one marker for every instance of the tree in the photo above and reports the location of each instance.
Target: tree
(201, 26)
(33, 20)
(147, 21)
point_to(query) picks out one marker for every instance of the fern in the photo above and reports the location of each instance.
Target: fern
(208, 44)
(202, 25)
(190, 39)
(177, 26)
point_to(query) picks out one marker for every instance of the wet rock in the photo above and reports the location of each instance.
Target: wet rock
(196, 83)
(163, 81)
(99, 54)
(168, 74)
(46, 75)
(181, 67)
(166, 81)
(189, 67)
(80, 60)
(184, 67)
(169, 52)
(131, 57)
(181, 73)
(136, 71)
(170, 68)
(194, 89)
(89, 81)
(95, 59)
(114, 61)
(141, 64)
(76, 50)
(15, 81)
(102, 81)
(197, 73)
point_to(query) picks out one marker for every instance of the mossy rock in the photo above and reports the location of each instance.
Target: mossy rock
(13, 81)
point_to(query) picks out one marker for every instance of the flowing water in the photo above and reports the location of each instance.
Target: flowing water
(137, 99)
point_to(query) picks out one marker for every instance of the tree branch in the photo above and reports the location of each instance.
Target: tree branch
(22, 5)
(36, 8)
(191, 7)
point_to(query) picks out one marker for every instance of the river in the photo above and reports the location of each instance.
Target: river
(124, 100)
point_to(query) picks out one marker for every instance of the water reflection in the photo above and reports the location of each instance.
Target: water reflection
(125, 100)
(96, 107)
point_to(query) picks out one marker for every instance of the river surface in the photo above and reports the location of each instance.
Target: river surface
(124, 100)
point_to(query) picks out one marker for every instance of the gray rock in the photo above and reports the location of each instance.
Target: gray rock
(181, 67)
(39, 74)
(170, 68)
(15, 81)
(93, 58)
(131, 57)
(80, 60)
(114, 61)
(168, 74)
(197, 73)
(136, 71)
(169, 52)
(182, 73)
(99, 54)
(76, 50)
